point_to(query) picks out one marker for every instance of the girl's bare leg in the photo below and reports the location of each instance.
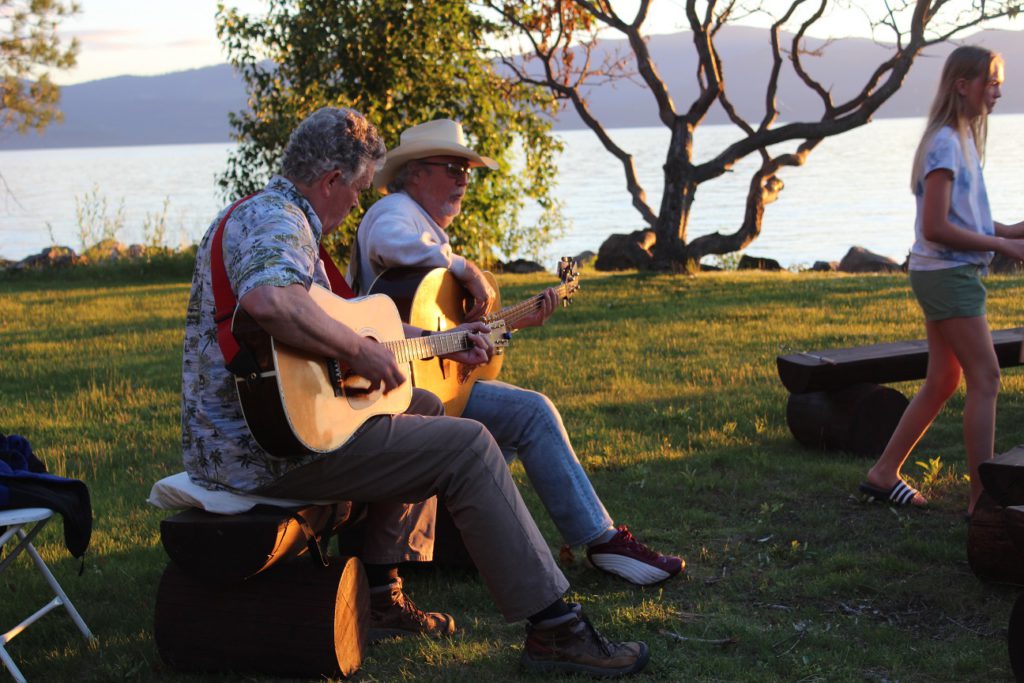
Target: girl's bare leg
(971, 342)
(940, 382)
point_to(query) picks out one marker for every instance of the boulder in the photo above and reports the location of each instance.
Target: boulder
(104, 251)
(584, 258)
(50, 257)
(519, 266)
(626, 252)
(860, 260)
(757, 263)
(825, 266)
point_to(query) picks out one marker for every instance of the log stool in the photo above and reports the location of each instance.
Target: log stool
(992, 552)
(297, 620)
(450, 550)
(249, 593)
(995, 539)
(1015, 639)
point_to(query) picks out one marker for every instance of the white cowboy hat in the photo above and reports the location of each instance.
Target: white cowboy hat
(442, 137)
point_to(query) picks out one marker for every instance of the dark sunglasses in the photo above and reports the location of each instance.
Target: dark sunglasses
(454, 169)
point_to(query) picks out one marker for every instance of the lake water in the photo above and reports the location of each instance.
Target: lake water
(852, 191)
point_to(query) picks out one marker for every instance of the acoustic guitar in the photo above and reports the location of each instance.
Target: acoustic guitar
(433, 299)
(300, 403)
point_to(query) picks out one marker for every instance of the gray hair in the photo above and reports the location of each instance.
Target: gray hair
(329, 139)
(397, 183)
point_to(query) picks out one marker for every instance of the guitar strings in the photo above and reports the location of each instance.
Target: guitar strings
(524, 308)
(406, 350)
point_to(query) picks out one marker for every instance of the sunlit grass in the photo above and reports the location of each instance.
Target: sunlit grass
(669, 388)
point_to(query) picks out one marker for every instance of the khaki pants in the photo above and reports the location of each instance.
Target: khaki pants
(395, 463)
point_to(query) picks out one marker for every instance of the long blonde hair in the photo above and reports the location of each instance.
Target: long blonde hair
(966, 62)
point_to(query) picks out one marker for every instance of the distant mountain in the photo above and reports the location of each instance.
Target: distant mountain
(181, 107)
(843, 68)
(192, 106)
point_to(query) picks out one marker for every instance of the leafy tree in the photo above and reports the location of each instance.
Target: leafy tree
(28, 47)
(400, 63)
(560, 38)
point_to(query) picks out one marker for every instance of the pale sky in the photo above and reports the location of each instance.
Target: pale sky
(145, 37)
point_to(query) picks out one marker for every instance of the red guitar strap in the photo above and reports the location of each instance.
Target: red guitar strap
(338, 284)
(225, 302)
(224, 299)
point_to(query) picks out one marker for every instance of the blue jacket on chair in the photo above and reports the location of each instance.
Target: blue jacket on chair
(24, 483)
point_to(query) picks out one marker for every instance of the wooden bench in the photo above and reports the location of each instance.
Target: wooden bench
(249, 593)
(836, 401)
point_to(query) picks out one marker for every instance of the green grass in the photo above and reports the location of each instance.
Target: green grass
(669, 389)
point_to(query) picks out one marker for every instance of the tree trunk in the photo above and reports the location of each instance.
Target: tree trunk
(670, 252)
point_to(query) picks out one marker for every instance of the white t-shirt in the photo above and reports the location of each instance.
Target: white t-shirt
(397, 232)
(968, 204)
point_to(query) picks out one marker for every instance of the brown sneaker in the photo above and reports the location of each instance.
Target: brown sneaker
(575, 646)
(393, 615)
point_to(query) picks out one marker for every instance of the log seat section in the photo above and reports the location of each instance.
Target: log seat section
(995, 536)
(225, 548)
(249, 593)
(836, 401)
(877, 363)
(297, 620)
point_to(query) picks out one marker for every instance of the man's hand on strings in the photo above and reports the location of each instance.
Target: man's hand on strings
(545, 304)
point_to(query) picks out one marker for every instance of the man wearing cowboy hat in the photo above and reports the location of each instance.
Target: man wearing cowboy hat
(268, 263)
(425, 179)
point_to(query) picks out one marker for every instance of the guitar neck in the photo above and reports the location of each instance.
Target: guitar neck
(437, 344)
(516, 312)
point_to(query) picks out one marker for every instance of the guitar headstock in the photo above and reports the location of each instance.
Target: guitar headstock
(499, 335)
(569, 274)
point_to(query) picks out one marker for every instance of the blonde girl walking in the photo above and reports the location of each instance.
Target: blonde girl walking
(955, 238)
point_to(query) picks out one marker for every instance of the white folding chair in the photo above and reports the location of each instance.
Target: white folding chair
(23, 525)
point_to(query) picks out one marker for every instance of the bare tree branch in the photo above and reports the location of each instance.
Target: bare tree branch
(707, 65)
(913, 25)
(811, 83)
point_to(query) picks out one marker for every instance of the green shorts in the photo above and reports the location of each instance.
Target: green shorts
(950, 292)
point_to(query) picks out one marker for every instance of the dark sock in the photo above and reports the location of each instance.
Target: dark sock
(556, 609)
(381, 574)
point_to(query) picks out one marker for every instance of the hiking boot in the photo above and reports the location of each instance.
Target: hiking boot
(628, 558)
(393, 615)
(573, 645)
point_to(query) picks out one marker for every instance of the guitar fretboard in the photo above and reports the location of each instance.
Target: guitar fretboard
(516, 312)
(406, 350)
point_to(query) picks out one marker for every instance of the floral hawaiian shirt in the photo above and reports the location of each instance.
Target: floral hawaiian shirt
(271, 239)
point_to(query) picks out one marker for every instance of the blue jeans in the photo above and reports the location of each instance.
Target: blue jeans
(527, 424)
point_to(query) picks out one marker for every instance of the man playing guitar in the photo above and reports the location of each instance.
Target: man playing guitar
(425, 179)
(271, 262)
